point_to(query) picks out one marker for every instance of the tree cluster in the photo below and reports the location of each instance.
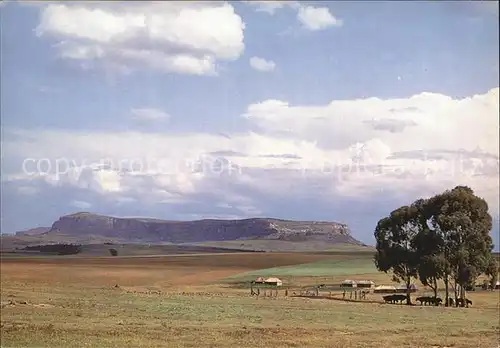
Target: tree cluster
(59, 249)
(445, 238)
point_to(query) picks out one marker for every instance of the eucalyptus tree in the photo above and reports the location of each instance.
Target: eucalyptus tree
(395, 243)
(462, 222)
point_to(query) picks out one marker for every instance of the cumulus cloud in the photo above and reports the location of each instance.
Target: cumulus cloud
(358, 151)
(169, 37)
(311, 17)
(271, 7)
(317, 18)
(260, 64)
(393, 125)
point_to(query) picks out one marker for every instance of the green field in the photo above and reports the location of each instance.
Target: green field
(328, 268)
(286, 246)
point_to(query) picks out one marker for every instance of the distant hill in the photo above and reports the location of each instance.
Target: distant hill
(33, 231)
(89, 228)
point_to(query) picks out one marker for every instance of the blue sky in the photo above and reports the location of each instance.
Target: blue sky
(292, 87)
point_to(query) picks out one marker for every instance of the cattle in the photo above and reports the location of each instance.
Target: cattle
(427, 300)
(423, 300)
(437, 301)
(394, 298)
(460, 302)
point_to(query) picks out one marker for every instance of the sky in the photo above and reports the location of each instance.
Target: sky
(336, 111)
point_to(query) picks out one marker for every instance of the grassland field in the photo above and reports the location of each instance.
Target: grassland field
(201, 301)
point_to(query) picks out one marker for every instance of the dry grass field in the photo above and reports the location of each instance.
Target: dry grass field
(192, 301)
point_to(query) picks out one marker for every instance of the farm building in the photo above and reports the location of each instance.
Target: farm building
(365, 284)
(273, 281)
(259, 280)
(348, 284)
(497, 285)
(402, 288)
(384, 289)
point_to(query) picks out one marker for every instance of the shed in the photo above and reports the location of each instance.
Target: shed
(402, 288)
(365, 284)
(348, 284)
(384, 289)
(274, 281)
(259, 280)
(497, 285)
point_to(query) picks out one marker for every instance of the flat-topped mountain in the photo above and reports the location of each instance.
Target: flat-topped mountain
(142, 230)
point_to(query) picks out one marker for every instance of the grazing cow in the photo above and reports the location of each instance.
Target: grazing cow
(460, 302)
(400, 298)
(427, 300)
(422, 299)
(437, 301)
(394, 298)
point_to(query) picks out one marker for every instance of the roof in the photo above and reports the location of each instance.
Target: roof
(259, 279)
(273, 280)
(385, 287)
(348, 281)
(366, 282)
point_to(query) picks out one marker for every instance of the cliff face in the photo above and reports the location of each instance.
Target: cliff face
(157, 231)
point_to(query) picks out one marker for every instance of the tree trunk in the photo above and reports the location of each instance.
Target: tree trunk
(408, 296)
(435, 290)
(447, 296)
(462, 296)
(456, 294)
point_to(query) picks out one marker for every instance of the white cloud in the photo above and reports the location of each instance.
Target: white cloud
(271, 7)
(81, 204)
(149, 114)
(312, 18)
(347, 149)
(317, 18)
(181, 37)
(260, 64)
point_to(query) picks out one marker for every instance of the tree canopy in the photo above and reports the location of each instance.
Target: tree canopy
(445, 237)
(396, 250)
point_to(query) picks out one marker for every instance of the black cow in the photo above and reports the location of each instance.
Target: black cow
(427, 300)
(423, 300)
(394, 298)
(460, 302)
(437, 301)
